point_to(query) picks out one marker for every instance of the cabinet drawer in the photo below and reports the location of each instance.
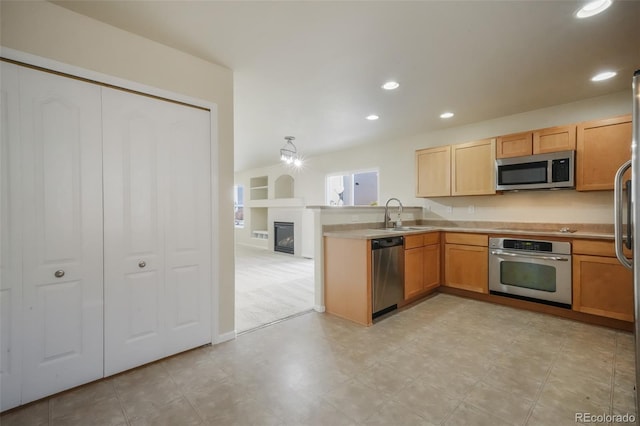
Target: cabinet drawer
(431, 238)
(596, 248)
(467, 239)
(413, 241)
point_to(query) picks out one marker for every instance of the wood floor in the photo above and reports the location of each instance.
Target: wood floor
(270, 286)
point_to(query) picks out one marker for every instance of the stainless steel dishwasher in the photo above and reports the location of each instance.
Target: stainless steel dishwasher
(387, 272)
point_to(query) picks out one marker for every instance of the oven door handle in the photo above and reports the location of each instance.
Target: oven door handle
(530, 256)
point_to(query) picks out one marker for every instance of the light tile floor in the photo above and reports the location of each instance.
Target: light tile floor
(446, 360)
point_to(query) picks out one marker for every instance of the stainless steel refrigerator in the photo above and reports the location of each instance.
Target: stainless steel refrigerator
(627, 215)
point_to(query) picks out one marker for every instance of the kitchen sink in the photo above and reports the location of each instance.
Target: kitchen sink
(409, 228)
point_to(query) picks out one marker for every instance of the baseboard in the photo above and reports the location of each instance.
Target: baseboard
(319, 308)
(225, 337)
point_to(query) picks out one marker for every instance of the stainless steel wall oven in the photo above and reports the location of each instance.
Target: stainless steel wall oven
(531, 269)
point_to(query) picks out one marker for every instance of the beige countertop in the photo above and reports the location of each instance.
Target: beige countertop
(370, 233)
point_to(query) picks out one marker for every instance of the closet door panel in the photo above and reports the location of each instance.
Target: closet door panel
(188, 229)
(134, 236)
(10, 248)
(62, 233)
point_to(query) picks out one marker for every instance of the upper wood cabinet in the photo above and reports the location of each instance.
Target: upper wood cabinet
(515, 145)
(602, 147)
(462, 169)
(554, 139)
(473, 168)
(433, 172)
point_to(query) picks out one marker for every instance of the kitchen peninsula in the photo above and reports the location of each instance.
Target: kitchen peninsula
(457, 262)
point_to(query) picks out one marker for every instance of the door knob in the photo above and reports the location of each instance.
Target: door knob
(59, 273)
(142, 264)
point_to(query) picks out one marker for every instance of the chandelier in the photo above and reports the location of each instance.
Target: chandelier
(289, 152)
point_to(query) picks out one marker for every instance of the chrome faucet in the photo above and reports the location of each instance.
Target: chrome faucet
(387, 218)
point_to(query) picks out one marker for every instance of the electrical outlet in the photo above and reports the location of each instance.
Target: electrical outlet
(471, 209)
(449, 209)
(355, 218)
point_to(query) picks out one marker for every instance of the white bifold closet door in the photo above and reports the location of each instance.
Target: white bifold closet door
(157, 224)
(53, 250)
(10, 254)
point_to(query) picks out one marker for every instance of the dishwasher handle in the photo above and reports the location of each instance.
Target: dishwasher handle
(382, 243)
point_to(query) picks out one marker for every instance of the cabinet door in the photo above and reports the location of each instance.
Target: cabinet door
(61, 214)
(602, 147)
(515, 145)
(433, 172)
(473, 168)
(10, 253)
(431, 266)
(554, 139)
(602, 286)
(467, 267)
(413, 272)
(157, 228)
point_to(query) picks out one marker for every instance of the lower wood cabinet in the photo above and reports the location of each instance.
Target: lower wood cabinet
(347, 279)
(466, 262)
(421, 264)
(601, 285)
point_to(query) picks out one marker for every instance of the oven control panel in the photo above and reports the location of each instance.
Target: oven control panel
(528, 245)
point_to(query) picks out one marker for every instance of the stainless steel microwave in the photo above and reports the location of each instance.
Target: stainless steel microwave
(538, 171)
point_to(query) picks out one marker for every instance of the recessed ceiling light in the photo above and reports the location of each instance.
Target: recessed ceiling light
(593, 8)
(372, 117)
(390, 85)
(446, 115)
(603, 76)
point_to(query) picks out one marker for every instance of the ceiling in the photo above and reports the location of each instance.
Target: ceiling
(313, 69)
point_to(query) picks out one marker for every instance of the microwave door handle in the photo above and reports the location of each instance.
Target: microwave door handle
(617, 210)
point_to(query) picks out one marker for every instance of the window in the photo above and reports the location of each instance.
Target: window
(352, 188)
(238, 206)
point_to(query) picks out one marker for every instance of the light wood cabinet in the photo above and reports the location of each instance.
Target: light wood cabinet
(542, 141)
(347, 279)
(602, 147)
(433, 172)
(413, 272)
(473, 168)
(421, 264)
(462, 169)
(554, 139)
(515, 145)
(601, 285)
(466, 262)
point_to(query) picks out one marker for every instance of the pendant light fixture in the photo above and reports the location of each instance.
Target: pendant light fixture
(289, 152)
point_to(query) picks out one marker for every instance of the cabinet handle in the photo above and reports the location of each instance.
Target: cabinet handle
(142, 264)
(59, 273)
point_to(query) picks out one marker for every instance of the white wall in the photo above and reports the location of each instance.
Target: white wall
(395, 160)
(50, 31)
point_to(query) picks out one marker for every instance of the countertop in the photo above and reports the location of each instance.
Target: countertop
(370, 233)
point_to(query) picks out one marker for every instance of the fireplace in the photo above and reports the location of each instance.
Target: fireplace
(283, 237)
